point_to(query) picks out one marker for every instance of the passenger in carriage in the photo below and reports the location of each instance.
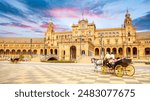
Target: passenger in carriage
(106, 58)
(109, 59)
(112, 56)
(112, 59)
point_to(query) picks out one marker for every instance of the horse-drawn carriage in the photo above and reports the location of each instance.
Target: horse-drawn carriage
(118, 67)
(14, 60)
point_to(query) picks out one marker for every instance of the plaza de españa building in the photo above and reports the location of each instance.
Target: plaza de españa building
(83, 42)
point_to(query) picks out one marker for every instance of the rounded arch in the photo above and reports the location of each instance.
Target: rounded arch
(7, 51)
(73, 52)
(120, 51)
(51, 51)
(1, 51)
(114, 50)
(96, 51)
(55, 51)
(13, 51)
(83, 52)
(128, 49)
(147, 51)
(29, 51)
(52, 58)
(108, 50)
(18, 52)
(41, 51)
(45, 52)
(128, 52)
(35, 52)
(134, 51)
(24, 52)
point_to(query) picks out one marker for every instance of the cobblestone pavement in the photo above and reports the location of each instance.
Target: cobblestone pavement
(45, 73)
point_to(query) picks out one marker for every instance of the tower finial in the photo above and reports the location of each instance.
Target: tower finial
(127, 11)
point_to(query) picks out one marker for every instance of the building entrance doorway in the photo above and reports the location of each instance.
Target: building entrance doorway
(72, 53)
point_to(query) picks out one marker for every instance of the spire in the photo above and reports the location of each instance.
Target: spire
(127, 13)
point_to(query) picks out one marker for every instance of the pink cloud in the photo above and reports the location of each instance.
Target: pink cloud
(64, 13)
(60, 28)
(56, 27)
(75, 13)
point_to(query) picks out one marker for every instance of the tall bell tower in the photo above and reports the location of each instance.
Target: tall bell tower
(130, 31)
(49, 33)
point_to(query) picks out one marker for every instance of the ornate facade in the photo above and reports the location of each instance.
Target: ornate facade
(83, 41)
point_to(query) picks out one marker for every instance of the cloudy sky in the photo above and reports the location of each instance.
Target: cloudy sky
(29, 18)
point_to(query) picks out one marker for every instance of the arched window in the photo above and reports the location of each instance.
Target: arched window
(114, 50)
(13, 51)
(24, 52)
(129, 34)
(120, 50)
(51, 51)
(83, 52)
(18, 51)
(35, 52)
(1, 51)
(147, 51)
(41, 51)
(29, 52)
(128, 50)
(56, 51)
(7, 51)
(45, 52)
(96, 52)
(108, 50)
(134, 51)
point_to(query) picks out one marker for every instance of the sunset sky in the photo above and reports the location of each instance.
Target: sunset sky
(29, 18)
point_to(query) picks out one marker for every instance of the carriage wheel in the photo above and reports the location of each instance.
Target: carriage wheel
(130, 70)
(103, 69)
(119, 71)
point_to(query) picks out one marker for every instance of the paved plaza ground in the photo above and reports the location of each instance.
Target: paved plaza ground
(51, 73)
